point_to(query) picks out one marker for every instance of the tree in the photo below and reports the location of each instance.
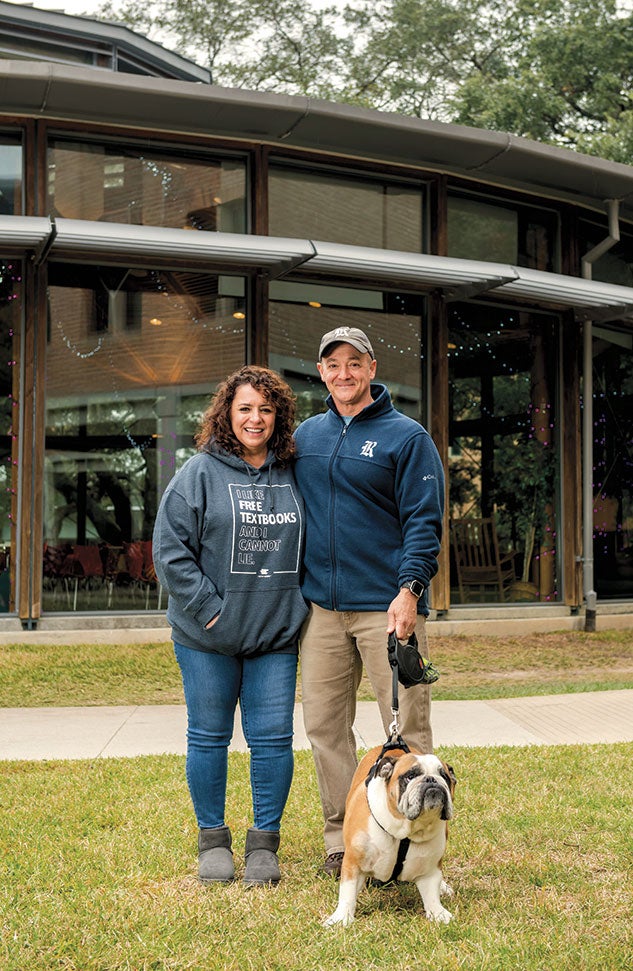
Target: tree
(270, 45)
(559, 71)
(566, 77)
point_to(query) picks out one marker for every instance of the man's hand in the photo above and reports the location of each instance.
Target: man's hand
(402, 615)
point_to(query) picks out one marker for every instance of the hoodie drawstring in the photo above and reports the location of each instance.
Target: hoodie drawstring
(255, 474)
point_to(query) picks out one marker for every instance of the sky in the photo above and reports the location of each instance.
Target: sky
(88, 6)
(65, 6)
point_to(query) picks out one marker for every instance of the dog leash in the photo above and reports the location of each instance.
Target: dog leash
(394, 728)
(409, 667)
(394, 741)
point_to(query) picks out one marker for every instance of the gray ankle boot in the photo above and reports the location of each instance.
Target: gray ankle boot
(215, 859)
(262, 865)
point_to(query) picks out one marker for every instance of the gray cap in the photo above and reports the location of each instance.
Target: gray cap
(348, 335)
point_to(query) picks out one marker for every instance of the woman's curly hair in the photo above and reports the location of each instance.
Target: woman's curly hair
(215, 424)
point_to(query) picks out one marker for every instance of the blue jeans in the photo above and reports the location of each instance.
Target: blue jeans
(265, 687)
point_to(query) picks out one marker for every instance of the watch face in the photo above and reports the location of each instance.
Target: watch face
(416, 587)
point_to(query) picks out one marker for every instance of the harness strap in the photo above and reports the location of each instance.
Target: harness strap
(402, 854)
(393, 742)
(403, 849)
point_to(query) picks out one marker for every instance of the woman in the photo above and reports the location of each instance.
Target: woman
(227, 547)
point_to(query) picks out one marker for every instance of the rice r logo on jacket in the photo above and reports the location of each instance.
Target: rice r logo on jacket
(368, 449)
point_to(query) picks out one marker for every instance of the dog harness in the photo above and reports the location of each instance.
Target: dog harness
(395, 741)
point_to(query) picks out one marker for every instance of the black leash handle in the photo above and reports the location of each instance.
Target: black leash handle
(394, 728)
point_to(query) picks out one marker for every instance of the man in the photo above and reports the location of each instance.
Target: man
(373, 487)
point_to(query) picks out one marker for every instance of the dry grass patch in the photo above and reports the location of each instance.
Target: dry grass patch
(97, 872)
(470, 666)
(533, 664)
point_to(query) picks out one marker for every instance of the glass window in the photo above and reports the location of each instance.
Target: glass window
(345, 209)
(132, 359)
(10, 177)
(10, 315)
(499, 233)
(613, 462)
(24, 47)
(614, 266)
(301, 313)
(503, 455)
(152, 188)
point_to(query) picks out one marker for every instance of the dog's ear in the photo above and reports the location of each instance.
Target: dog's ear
(384, 769)
(449, 774)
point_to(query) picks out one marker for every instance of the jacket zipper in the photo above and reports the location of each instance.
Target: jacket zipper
(341, 439)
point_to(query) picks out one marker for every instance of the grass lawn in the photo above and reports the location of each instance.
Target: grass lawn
(98, 858)
(471, 667)
(97, 865)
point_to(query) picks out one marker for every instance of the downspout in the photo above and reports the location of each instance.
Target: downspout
(587, 423)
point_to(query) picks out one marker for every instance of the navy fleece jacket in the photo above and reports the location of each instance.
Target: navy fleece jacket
(228, 540)
(374, 498)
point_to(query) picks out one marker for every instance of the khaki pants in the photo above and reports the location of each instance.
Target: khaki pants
(334, 648)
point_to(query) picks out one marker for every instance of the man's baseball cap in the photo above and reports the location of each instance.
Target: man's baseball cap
(349, 335)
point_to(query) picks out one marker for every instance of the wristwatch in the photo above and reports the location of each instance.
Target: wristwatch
(415, 586)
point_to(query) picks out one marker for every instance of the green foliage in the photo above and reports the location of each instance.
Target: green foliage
(296, 50)
(559, 71)
(525, 484)
(563, 70)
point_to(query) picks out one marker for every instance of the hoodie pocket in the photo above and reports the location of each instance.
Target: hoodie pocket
(253, 622)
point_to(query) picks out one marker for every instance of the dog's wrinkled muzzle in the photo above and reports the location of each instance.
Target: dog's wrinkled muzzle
(428, 795)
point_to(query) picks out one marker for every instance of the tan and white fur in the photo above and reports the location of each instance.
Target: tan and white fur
(409, 796)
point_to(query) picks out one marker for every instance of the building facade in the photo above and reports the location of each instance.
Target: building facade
(157, 232)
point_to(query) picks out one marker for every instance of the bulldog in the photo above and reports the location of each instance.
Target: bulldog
(396, 827)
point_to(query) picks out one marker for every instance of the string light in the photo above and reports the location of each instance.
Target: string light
(536, 424)
(83, 355)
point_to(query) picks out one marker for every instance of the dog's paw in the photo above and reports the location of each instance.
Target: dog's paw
(446, 890)
(440, 915)
(340, 918)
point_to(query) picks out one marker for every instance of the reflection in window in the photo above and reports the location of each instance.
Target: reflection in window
(301, 313)
(10, 177)
(345, 209)
(132, 359)
(499, 233)
(503, 458)
(614, 266)
(151, 188)
(613, 462)
(24, 47)
(10, 315)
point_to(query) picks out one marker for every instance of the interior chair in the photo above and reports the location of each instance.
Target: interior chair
(82, 566)
(482, 571)
(140, 568)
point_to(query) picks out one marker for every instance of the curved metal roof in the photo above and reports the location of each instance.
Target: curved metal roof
(52, 91)
(76, 239)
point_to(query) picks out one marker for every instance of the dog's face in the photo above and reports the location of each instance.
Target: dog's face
(418, 784)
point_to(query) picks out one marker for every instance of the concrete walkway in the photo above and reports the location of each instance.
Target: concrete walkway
(89, 733)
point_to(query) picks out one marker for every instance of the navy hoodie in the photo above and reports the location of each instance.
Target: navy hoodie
(228, 540)
(374, 498)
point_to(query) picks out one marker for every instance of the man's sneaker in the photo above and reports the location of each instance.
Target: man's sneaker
(332, 865)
